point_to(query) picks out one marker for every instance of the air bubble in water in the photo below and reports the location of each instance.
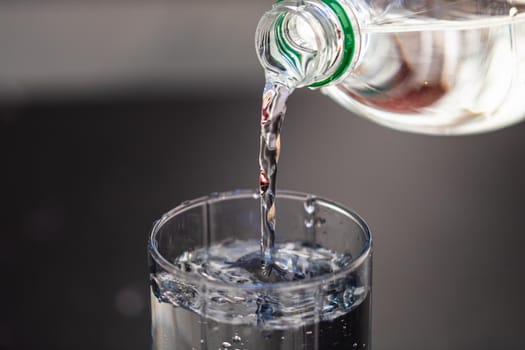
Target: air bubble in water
(226, 345)
(309, 223)
(309, 205)
(236, 338)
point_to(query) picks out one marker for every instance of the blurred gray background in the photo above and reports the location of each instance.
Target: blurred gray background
(112, 112)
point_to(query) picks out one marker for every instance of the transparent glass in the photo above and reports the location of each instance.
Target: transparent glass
(193, 309)
(434, 67)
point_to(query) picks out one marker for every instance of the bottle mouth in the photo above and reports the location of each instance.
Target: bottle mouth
(348, 46)
(306, 43)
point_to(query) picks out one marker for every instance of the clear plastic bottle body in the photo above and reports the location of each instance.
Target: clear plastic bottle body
(434, 67)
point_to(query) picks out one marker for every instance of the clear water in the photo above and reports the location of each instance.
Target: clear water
(439, 76)
(236, 314)
(273, 110)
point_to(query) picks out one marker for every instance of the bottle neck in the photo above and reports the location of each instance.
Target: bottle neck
(307, 42)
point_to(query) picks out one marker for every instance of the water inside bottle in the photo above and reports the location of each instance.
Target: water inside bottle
(439, 77)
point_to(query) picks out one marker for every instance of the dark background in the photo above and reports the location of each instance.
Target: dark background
(89, 161)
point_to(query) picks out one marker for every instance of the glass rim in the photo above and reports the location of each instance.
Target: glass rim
(355, 263)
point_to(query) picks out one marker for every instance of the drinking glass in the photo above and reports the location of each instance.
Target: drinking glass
(206, 292)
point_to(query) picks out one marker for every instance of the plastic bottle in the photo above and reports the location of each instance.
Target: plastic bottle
(426, 66)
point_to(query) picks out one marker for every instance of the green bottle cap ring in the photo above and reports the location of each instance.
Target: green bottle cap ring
(348, 47)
